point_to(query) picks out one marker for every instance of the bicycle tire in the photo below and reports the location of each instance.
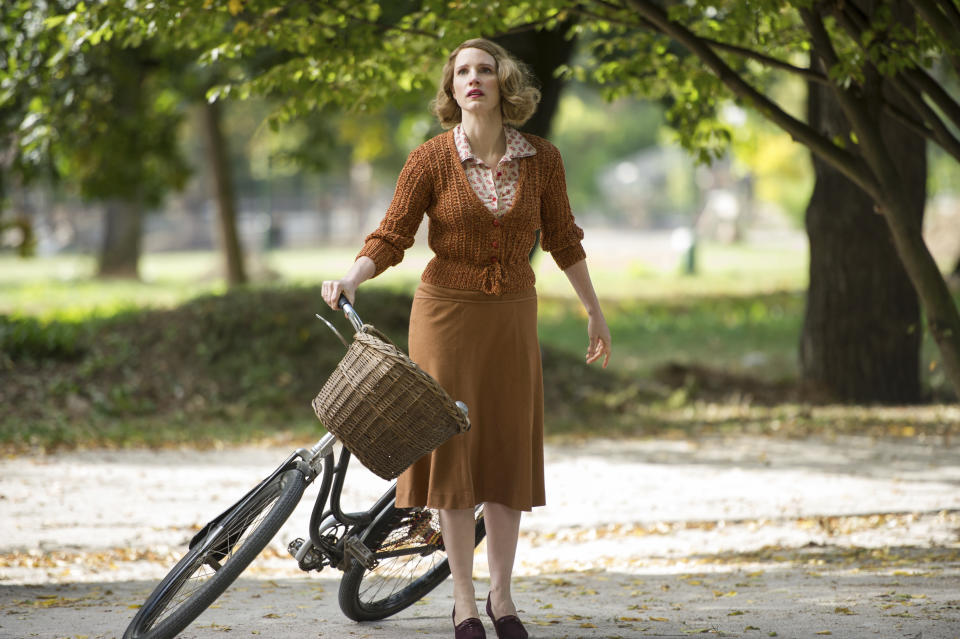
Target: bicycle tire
(205, 572)
(402, 539)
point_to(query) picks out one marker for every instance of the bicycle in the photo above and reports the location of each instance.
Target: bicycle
(391, 557)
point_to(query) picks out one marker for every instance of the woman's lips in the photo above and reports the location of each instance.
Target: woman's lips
(475, 93)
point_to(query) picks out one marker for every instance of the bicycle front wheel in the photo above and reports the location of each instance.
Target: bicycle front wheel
(217, 559)
(411, 561)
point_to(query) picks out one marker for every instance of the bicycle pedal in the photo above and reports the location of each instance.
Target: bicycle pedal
(356, 549)
(294, 546)
(306, 554)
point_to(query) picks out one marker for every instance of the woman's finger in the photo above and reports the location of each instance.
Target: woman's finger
(330, 291)
(335, 296)
(593, 350)
(598, 347)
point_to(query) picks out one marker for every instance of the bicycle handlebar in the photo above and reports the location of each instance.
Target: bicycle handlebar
(344, 304)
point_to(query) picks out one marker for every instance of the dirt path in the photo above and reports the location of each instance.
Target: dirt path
(728, 536)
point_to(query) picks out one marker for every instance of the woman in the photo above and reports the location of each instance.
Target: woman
(486, 189)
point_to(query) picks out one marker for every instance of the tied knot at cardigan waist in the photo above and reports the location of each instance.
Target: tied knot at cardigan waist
(495, 278)
(490, 281)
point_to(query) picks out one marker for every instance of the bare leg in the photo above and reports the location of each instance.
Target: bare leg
(503, 529)
(458, 530)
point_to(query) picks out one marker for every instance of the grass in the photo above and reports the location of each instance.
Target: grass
(734, 312)
(64, 286)
(175, 359)
(754, 334)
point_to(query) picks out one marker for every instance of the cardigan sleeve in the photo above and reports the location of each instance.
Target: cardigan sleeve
(385, 246)
(560, 234)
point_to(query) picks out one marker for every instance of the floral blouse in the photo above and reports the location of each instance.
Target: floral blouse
(496, 188)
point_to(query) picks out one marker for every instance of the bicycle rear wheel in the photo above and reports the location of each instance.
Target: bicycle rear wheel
(217, 559)
(411, 562)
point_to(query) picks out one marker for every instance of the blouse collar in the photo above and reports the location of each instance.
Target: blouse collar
(517, 145)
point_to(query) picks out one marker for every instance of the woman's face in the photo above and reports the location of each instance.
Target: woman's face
(476, 85)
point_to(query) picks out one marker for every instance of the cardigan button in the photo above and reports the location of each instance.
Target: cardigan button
(495, 244)
(496, 222)
(494, 259)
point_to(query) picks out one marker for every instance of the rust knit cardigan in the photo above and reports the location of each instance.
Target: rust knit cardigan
(474, 249)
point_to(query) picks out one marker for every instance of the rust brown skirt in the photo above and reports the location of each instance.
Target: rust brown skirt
(484, 351)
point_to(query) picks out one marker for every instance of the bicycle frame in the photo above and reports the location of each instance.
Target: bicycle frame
(337, 550)
(313, 462)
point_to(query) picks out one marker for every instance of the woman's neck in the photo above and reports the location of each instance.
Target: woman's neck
(487, 139)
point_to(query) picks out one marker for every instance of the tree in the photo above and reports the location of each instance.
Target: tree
(696, 54)
(92, 118)
(731, 49)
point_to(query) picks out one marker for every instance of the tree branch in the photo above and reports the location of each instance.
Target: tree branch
(911, 123)
(942, 135)
(911, 84)
(807, 74)
(951, 11)
(639, 24)
(856, 22)
(925, 83)
(870, 140)
(768, 61)
(947, 29)
(853, 167)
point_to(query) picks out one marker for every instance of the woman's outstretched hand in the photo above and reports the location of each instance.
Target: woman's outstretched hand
(599, 335)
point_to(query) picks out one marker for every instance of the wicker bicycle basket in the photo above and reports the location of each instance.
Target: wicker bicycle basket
(384, 408)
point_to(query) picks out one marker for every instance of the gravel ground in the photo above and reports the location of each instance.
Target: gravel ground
(738, 537)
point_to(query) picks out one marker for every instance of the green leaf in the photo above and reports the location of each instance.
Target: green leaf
(54, 21)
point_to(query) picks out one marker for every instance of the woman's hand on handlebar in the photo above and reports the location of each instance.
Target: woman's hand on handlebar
(361, 271)
(332, 289)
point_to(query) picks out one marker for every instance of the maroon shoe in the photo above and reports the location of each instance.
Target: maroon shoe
(469, 628)
(508, 626)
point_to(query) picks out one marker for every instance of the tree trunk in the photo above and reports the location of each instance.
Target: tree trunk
(543, 51)
(123, 210)
(885, 148)
(861, 332)
(939, 308)
(122, 233)
(218, 158)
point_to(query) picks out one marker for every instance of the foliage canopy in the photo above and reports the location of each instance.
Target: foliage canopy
(878, 58)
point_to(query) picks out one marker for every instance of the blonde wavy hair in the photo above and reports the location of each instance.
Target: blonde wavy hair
(518, 94)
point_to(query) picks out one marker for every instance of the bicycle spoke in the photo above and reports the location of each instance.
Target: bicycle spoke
(222, 549)
(409, 551)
